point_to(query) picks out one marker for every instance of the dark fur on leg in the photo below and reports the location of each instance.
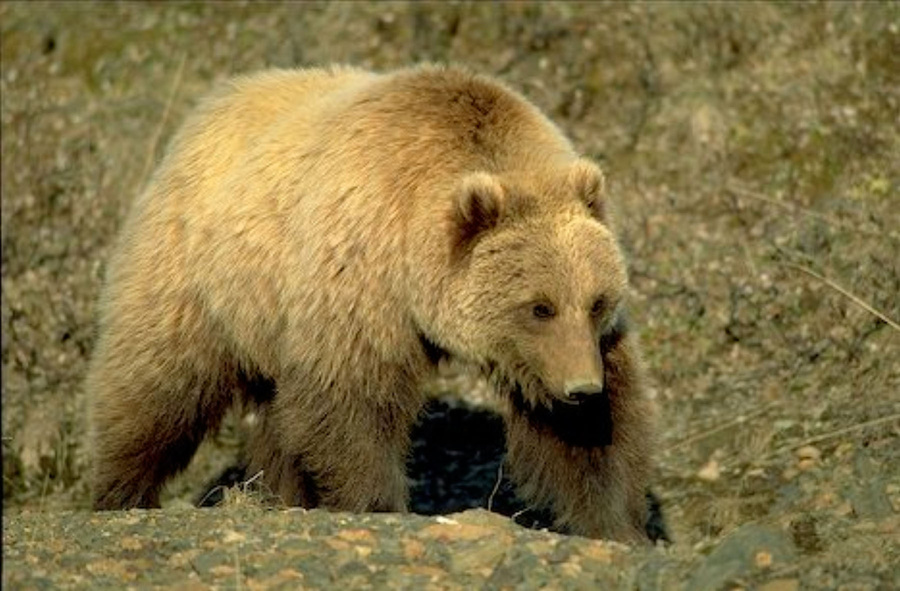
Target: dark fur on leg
(453, 466)
(592, 492)
(590, 469)
(137, 444)
(587, 424)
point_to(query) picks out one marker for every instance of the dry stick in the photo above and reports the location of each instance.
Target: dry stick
(794, 208)
(859, 302)
(750, 262)
(518, 513)
(221, 487)
(716, 429)
(836, 433)
(252, 479)
(211, 492)
(151, 152)
(490, 503)
(237, 569)
(46, 483)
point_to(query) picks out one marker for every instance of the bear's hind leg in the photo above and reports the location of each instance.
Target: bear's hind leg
(282, 472)
(344, 452)
(151, 408)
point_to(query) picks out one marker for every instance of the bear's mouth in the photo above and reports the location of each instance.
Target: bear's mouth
(586, 424)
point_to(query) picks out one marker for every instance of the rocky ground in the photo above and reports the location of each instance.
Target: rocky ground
(752, 156)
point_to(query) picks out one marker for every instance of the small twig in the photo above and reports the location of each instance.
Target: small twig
(515, 515)
(211, 492)
(154, 140)
(490, 503)
(42, 506)
(855, 299)
(246, 484)
(836, 433)
(221, 487)
(750, 262)
(794, 208)
(237, 570)
(727, 425)
(44, 487)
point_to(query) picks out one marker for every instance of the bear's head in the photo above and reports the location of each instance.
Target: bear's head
(539, 283)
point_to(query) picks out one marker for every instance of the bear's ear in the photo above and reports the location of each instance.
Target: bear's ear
(479, 205)
(589, 185)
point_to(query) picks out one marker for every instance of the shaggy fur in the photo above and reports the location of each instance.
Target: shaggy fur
(315, 240)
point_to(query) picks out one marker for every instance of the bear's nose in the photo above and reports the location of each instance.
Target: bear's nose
(582, 391)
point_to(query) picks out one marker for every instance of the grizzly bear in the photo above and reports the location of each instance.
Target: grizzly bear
(315, 241)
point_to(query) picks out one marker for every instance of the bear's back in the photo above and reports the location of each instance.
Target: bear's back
(393, 129)
(286, 181)
(226, 124)
(434, 120)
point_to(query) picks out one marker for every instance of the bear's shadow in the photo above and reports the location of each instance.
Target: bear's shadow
(454, 465)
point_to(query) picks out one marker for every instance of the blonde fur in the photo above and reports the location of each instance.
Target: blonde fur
(307, 231)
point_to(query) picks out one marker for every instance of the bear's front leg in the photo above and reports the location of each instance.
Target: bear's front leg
(595, 491)
(589, 463)
(336, 449)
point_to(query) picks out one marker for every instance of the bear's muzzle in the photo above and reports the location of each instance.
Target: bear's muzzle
(586, 424)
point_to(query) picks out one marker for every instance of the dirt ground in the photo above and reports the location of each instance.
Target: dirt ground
(752, 151)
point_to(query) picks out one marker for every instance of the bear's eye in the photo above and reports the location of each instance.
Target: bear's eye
(543, 311)
(598, 307)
